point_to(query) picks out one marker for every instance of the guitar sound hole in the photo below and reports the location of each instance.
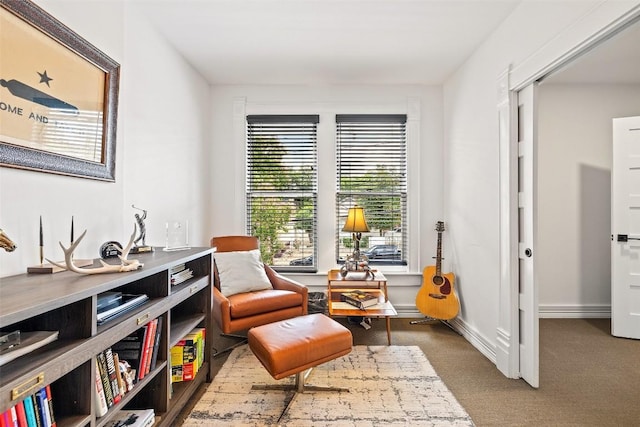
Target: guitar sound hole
(438, 280)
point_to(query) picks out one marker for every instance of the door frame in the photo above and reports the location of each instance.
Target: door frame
(597, 26)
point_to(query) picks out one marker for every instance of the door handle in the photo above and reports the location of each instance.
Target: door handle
(626, 238)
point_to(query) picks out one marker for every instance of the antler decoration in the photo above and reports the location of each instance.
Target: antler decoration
(125, 264)
(6, 243)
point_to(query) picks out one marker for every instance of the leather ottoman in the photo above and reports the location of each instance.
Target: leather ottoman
(294, 345)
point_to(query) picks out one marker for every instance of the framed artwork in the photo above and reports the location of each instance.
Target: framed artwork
(58, 97)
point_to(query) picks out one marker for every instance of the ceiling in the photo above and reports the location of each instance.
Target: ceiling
(326, 41)
(356, 41)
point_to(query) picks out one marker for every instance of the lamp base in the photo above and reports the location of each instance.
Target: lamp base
(356, 263)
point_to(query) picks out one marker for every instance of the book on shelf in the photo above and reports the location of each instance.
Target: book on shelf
(140, 349)
(35, 409)
(29, 411)
(104, 376)
(181, 276)
(156, 345)
(132, 418)
(187, 356)
(149, 336)
(113, 377)
(36, 412)
(121, 385)
(22, 415)
(43, 407)
(9, 417)
(129, 348)
(178, 268)
(128, 303)
(100, 397)
(359, 298)
(50, 403)
(29, 341)
(108, 300)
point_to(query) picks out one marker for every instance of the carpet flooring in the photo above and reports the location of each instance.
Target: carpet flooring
(388, 386)
(588, 378)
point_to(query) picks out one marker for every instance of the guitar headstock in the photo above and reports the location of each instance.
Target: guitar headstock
(440, 226)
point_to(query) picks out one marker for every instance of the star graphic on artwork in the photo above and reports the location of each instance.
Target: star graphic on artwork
(44, 78)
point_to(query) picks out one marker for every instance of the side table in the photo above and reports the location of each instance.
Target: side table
(356, 280)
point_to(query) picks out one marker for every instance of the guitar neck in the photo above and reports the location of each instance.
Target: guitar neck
(439, 255)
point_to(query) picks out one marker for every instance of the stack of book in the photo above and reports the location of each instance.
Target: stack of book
(114, 304)
(187, 356)
(35, 410)
(126, 362)
(180, 273)
(133, 418)
(360, 299)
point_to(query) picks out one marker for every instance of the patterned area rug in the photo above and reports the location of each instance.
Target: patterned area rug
(389, 386)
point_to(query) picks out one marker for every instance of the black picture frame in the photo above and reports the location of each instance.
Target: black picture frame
(24, 157)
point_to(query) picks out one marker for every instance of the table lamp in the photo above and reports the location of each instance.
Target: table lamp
(356, 224)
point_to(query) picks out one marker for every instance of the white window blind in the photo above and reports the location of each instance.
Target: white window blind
(372, 173)
(282, 187)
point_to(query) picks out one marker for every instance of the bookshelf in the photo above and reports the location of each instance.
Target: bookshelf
(66, 302)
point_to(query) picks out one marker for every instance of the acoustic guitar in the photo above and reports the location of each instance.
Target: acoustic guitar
(437, 298)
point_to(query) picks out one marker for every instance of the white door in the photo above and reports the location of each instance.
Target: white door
(528, 292)
(625, 228)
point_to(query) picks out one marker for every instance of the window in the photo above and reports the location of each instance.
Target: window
(282, 187)
(372, 173)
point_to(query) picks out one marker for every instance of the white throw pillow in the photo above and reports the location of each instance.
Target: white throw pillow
(241, 272)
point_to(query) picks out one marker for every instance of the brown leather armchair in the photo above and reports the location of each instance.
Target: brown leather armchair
(242, 311)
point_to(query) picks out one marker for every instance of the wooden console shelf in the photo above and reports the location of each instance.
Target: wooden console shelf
(67, 302)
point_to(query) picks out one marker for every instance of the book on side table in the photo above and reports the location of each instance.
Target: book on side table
(359, 298)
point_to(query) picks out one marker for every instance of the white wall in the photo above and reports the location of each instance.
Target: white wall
(228, 161)
(529, 39)
(166, 135)
(574, 195)
(160, 148)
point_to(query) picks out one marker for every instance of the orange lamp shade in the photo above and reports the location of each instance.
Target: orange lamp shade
(356, 222)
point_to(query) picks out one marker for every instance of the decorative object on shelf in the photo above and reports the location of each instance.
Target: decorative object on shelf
(356, 224)
(28, 342)
(6, 243)
(50, 268)
(110, 249)
(177, 235)
(142, 233)
(9, 340)
(125, 264)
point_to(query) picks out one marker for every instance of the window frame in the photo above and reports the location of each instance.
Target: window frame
(353, 162)
(292, 129)
(410, 105)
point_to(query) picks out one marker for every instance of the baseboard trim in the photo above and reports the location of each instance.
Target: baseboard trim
(479, 342)
(582, 311)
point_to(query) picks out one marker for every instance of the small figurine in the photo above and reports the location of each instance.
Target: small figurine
(142, 233)
(142, 230)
